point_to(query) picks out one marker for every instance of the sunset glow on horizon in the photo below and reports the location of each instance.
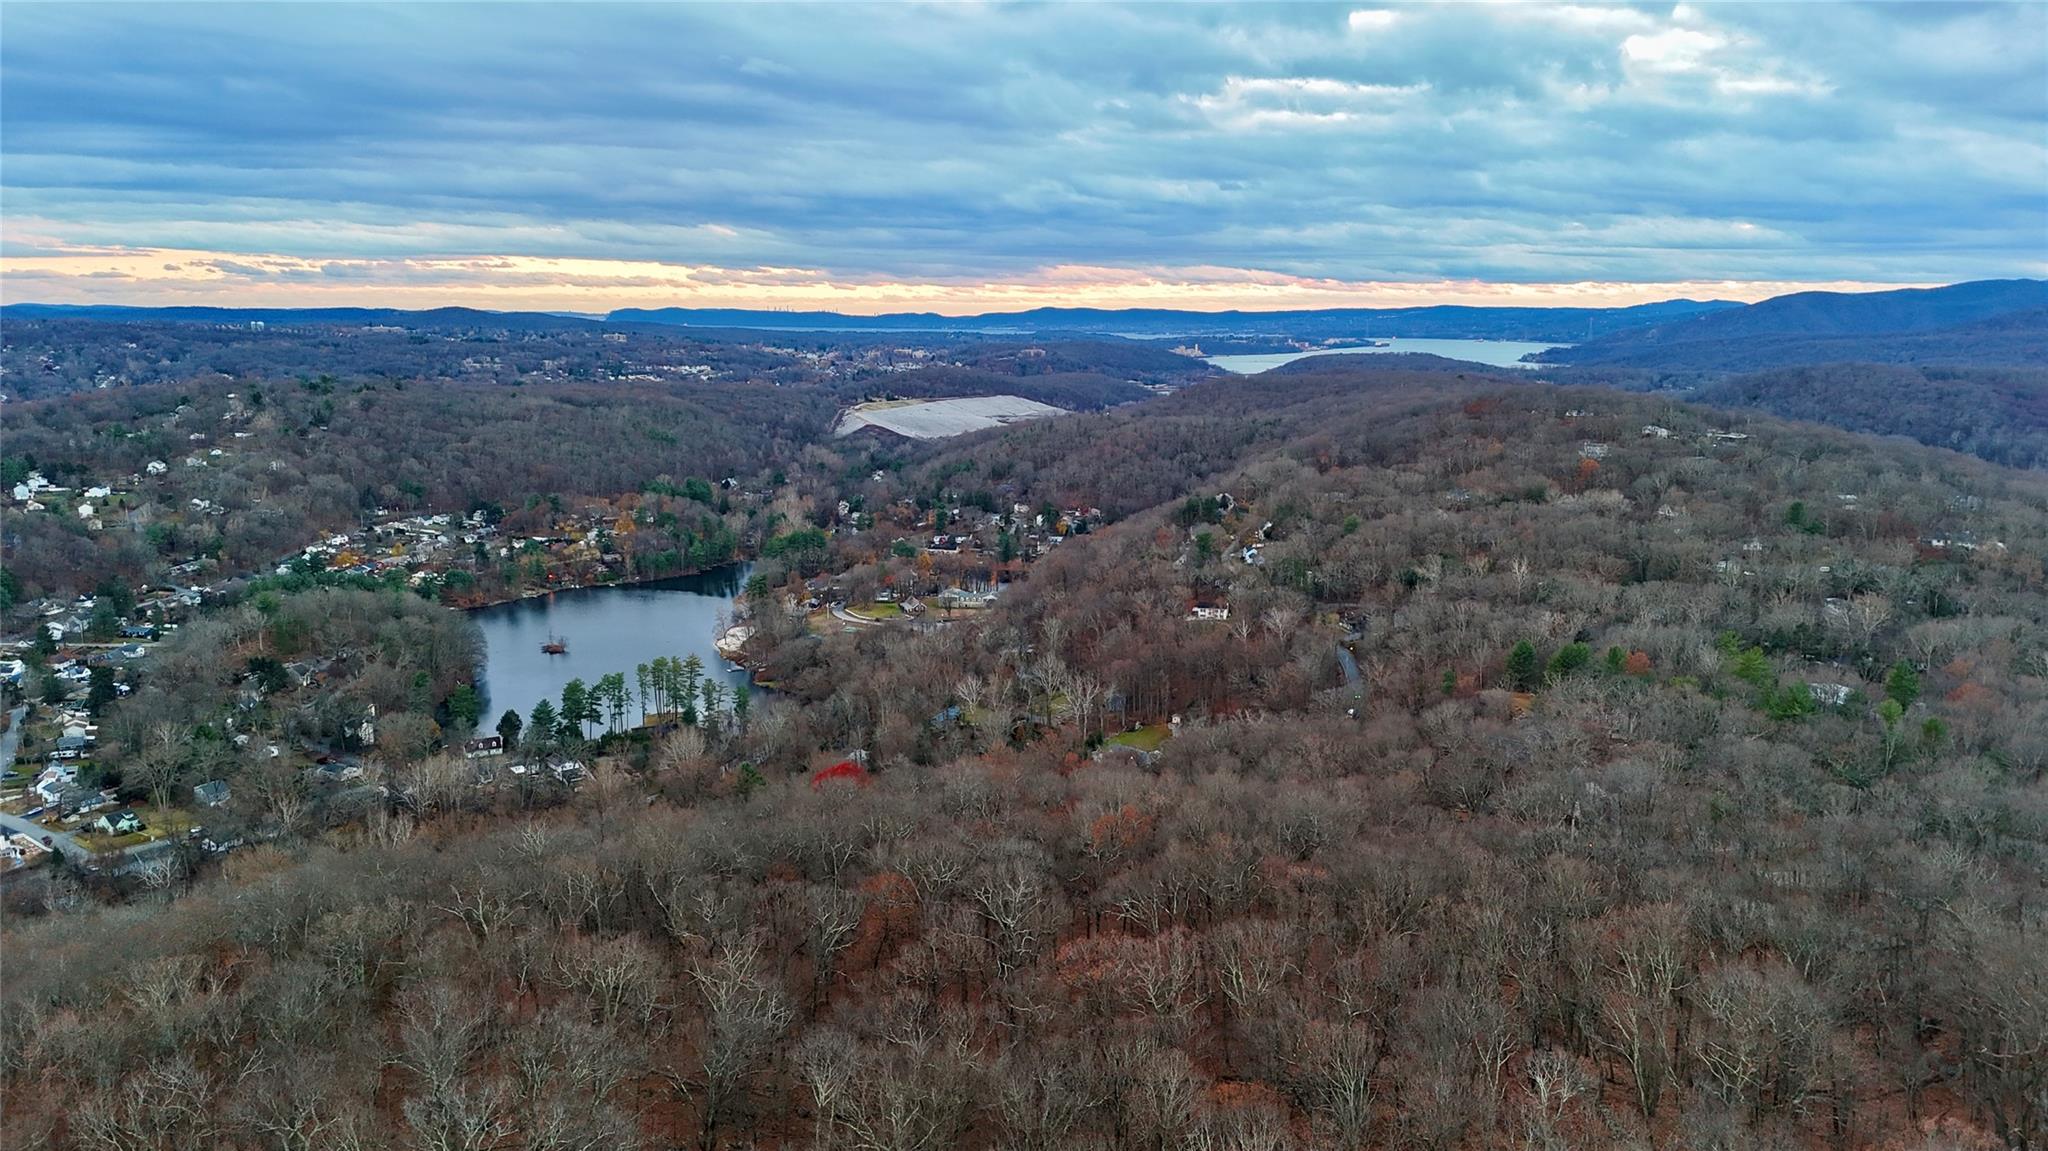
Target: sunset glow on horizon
(163, 277)
(971, 158)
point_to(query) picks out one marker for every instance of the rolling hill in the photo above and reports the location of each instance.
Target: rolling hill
(1987, 321)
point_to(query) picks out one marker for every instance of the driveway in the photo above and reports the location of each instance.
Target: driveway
(840, 613)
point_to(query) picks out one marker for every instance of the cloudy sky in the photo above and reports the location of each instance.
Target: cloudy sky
(970, 157)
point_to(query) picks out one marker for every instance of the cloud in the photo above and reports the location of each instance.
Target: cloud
(1551, 144)
(1372, 20)
(1254, 103)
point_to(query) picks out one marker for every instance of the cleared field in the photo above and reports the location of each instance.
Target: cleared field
(937, 419)
(1144, 738)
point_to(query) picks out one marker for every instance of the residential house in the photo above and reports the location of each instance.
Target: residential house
(212, 793)
(20, 851)
(122, 822)
(339, 771)
(1830, 694)
(954, 597)
(54, 781)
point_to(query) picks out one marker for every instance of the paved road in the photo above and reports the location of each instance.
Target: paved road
(10, 742)
(65, 842)
(1349, 664)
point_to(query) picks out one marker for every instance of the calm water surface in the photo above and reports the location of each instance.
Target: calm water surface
(1494, 353)
(607, 629)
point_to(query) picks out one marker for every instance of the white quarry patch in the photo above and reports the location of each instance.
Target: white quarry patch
(937, 419)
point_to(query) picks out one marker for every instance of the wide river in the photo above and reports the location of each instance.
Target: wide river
(1493, 353)
(607, 629)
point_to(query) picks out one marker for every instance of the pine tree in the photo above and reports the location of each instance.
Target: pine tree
(575, 706)
(1522, 666)
(1902, 684)
(542, 724)
(508, 728)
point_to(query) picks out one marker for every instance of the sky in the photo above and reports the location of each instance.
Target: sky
(973, 157)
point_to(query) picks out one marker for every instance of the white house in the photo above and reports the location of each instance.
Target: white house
(54, 781)
(118, 823)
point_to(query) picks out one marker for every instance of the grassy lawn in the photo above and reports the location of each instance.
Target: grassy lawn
(157, 823)
(1144, 739)
(876, 611)
(97, 843)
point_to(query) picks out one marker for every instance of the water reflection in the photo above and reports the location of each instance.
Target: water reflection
(605, 629)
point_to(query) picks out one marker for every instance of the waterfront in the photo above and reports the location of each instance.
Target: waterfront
(605, 629)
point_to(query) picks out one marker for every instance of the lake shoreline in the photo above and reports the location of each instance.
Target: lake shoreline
(607, 628)
(1485, 353)
(635, 581)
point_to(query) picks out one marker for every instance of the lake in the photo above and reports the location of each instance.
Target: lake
(1494, 353)
(607, 629)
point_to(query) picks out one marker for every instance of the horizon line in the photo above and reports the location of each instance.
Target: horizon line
(58, 274)
(455, 302)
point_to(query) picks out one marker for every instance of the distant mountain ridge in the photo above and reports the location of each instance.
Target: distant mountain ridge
(1814, 327)
(1449, 321)
(1443, 321)
(1997, 321)
(397, 317)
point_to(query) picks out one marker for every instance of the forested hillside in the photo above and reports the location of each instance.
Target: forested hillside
(1786, 324)
(247, 472)
(1689, 793)
(1960, 367)
(2020, 338)
(2000, 414)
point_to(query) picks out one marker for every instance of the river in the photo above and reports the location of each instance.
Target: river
(1493, 353)
(607, 629)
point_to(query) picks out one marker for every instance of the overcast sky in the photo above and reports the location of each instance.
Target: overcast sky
(962, 157)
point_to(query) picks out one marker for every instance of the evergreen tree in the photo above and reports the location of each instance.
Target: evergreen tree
(575, 707)
(1902, 684)
(508, 728)
(1522, 666)
(542, 723)
(465, 706)
(1569, 658)
(101, 692)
